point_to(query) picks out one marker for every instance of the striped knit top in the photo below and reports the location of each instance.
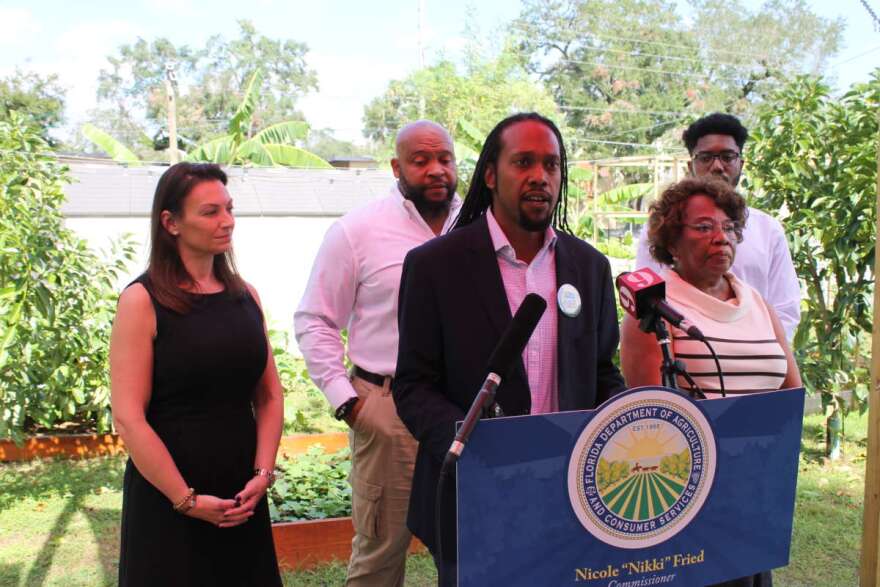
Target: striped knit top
(738, 329)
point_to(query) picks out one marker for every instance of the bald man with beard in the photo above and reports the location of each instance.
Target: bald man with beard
(354, 285)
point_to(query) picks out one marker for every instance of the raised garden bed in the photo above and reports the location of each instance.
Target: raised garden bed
(84, 446)
(305, 544)
(299, 545)
(72, 446)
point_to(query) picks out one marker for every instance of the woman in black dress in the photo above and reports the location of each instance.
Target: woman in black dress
(196, 398)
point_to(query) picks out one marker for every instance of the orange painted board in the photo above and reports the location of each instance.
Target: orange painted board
(306, 544)
(76, 446)
(299, 443)
(82, 446)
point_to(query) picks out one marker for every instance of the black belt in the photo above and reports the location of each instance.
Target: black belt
(371, 377)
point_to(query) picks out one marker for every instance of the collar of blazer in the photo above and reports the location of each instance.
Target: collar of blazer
(482, 264)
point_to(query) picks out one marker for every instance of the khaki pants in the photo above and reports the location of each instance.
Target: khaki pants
(383, 454)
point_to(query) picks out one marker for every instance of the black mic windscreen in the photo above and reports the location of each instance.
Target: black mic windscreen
(518, 332)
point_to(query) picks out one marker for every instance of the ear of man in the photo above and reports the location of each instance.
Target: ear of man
(489, 177)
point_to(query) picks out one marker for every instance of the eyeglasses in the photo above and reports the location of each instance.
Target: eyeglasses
(705, 158)
(707, 228)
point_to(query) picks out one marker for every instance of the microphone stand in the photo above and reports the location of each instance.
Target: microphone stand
(669, 367)
(483, 406)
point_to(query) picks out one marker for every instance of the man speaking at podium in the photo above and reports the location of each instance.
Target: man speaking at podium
(458, 294)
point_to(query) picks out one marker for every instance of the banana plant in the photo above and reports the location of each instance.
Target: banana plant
(469, 142)
(273, 145)
(108, 144)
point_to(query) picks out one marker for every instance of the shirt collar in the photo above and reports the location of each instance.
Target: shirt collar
(410, 208)
(502, 245)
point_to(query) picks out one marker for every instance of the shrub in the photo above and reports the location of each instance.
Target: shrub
(57, 297)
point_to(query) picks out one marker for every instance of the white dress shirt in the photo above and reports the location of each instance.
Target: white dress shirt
(763, 261)
(354, 284)
(538, 277)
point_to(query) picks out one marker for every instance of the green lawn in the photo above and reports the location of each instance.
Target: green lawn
(59, 522)
(827, 537)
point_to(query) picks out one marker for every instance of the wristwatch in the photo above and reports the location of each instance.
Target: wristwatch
(267, 473)
(345, 409)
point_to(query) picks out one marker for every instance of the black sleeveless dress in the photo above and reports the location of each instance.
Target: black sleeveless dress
(206, 364)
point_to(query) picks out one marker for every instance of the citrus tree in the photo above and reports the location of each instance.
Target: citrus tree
(814, 159)
(57, 297)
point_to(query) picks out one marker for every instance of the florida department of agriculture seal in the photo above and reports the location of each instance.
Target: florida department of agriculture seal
(642, 468)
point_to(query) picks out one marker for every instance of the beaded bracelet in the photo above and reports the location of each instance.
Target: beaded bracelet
(187, 503)
(269, 474)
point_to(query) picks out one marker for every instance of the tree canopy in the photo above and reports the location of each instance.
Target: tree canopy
(486, 91)
(41, 98)
(629, 71)
(211, 82)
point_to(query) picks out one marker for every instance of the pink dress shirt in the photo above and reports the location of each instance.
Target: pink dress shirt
(520, 279)
(354, 285)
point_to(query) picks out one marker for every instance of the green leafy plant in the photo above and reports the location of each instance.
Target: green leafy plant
(312, 486)
(273, 145)
(116, 150)
(305, 408)
(57, 297)
(814, 159)
(593, 221)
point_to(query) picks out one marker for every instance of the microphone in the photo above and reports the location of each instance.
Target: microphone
(511, 346)
(643, 292)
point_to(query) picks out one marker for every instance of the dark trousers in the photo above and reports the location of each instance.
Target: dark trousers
(447, 572)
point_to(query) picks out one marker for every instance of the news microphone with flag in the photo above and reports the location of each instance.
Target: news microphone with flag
(508, 349)
(643, 292)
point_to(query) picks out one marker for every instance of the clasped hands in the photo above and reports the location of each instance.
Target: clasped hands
(227, 513)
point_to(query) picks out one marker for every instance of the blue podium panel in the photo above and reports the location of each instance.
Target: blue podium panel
(632, 494)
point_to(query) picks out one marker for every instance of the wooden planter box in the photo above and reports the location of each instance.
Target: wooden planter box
(72, 446)
(296, 444)
(84, 446)
(298, 545)
(303, 545)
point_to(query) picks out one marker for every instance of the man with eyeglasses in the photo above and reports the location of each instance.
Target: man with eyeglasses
(715, 144)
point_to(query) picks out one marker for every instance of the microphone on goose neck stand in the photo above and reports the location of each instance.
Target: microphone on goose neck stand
(643, 296)
(508, 349)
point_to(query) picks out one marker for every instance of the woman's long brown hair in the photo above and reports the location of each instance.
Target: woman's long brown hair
(166, 272)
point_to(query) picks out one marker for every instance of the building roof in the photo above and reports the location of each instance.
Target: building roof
(116, 190)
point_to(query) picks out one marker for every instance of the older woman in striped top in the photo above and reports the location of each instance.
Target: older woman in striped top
(694, 228)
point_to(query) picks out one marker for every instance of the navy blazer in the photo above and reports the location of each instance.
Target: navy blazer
(452, 311)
